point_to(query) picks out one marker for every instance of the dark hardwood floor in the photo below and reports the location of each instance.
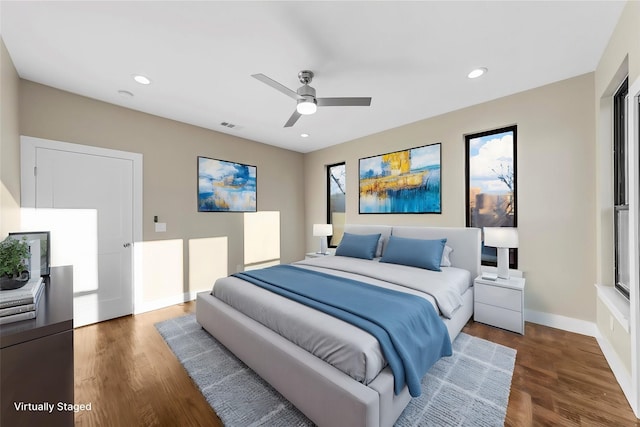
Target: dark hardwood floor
(127, 372)
(560, 379)
(130, 376)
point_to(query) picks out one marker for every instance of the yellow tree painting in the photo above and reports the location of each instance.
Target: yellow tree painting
(406, 181)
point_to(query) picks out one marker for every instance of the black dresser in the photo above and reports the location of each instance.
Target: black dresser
(36, 359)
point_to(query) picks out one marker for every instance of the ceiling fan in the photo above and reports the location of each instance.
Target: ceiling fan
(306, 97)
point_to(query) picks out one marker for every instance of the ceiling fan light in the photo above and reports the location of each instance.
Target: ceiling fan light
(306, 106)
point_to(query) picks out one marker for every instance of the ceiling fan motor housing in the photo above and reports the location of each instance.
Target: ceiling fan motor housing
(307, 102)
(306, 91)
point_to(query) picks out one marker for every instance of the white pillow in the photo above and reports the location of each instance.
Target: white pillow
(446, 261)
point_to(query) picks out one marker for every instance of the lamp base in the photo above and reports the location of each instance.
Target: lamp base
(323, 246)
(503, 263)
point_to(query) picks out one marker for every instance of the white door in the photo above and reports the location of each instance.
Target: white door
(102, 185)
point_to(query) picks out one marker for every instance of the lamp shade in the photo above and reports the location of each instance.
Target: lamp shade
(501, 237)
(322, 230)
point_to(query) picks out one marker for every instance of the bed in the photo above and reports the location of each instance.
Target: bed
(346, 370)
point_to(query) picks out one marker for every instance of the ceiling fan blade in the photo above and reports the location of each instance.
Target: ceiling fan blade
(343, 102)
(277, 86)
(293, 119)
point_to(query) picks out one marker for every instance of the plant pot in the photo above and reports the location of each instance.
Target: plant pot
(15, 282)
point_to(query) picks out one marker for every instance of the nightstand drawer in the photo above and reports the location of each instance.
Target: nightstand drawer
(499, 317)
(498, 296)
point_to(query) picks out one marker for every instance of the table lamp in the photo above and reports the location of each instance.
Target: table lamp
(501, 238)
(322, 231)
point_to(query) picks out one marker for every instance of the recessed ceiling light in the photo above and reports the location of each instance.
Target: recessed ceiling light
(143, 80)
(477, 73)
(304, 135)
(125, 94)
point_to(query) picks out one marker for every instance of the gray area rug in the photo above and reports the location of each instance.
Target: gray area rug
(470, 388)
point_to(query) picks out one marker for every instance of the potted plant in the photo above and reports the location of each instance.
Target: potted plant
(13, 270)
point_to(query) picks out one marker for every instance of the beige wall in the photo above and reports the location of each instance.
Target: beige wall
(620, 58)
(170, 150)
(623, 43)
(555, 158)
(9, 145)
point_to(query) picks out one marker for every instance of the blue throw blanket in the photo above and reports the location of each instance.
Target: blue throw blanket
(411, 334)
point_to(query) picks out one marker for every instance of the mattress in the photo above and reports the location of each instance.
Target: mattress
(344, 346)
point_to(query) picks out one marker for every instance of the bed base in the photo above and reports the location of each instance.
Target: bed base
(327, 396)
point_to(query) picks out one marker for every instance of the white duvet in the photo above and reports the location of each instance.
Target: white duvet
(344, 346)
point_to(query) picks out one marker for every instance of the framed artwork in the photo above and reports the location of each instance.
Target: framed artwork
(40, 249)
(491, 184)
(406, 181)
(226, 186)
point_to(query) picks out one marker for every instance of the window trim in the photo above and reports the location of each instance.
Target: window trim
(620, 169)
(620, 174)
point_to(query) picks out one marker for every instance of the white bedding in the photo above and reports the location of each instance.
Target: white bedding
(446, 286)
(346, 347)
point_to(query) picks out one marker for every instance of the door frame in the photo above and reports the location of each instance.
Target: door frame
(28, 147)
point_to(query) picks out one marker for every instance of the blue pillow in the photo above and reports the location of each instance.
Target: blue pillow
(414, 252)
(358, 245)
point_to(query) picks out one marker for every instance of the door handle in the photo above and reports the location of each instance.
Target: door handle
(126, 245)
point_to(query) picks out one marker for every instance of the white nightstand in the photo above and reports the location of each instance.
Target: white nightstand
(314, 255)
(500, 303)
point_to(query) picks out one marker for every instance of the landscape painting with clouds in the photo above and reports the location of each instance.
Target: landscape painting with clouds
(226, 186)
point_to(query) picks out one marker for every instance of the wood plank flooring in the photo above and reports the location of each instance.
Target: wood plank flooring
(127, 372)
(560, 379)
(130, 376)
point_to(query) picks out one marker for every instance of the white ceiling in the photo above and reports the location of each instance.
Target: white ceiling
(412, 57)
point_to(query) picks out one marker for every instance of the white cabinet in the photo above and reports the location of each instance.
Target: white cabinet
(500, 303)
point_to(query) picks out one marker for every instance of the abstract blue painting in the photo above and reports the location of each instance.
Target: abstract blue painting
(406, 181)
(226, 186)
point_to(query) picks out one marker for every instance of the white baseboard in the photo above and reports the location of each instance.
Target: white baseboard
(565, 323)
(143, 307)
(617, 367)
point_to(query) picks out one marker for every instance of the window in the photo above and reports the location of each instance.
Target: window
(492, 185)
(621, 190)
(336, 200)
